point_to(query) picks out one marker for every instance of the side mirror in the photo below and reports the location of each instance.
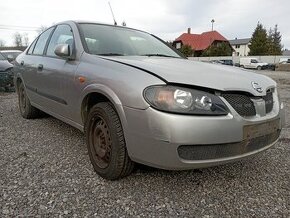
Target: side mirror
(63, 50)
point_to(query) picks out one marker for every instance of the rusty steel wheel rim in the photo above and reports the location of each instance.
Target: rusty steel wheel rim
(101, 143)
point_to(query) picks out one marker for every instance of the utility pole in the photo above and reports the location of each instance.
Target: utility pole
(212, 21)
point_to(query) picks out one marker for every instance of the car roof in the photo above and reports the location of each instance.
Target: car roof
(98, 23)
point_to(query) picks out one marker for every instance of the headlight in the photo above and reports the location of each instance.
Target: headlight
(184, 100)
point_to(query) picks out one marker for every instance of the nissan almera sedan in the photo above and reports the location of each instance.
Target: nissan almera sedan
(139, 101)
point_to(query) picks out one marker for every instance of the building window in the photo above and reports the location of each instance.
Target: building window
(178, 45)
(237, 46)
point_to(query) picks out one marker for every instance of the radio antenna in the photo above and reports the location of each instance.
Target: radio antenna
(115, 22)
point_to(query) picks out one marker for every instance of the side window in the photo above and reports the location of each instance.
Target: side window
(30, 50)
(62, 35)
(254, 61)
(41, 42)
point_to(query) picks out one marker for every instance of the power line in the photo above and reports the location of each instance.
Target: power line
(18, 28)
(10, 29)
(22, 27)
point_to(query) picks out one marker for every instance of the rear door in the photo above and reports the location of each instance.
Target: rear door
(28, 65)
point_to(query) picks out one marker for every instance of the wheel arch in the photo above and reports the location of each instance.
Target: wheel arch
(97, 93)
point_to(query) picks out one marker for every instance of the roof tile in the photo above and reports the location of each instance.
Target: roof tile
(200, 41)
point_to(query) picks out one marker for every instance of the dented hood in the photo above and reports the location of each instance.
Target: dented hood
(213, 76)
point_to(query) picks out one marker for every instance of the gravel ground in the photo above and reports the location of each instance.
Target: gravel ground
(45, 172)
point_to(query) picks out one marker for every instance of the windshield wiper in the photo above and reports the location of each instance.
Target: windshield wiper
(159, 55)
(111, 54)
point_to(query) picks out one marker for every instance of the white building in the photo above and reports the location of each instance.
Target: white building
(241, 46)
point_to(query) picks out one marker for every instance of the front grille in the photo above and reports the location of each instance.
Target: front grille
(268, 101)
(241, 103)
(217, 151)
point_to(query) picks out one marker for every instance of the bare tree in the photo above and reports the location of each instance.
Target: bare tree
(2, 43)
(25, 39)
(41, 29)
(17, 39)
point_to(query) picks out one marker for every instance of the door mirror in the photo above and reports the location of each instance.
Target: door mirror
(63, 50)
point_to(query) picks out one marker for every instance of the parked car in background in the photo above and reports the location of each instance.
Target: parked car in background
(10, 55)
(227, 62)
(252, 63)
(224, 62)
(284, 61)
(138, 100)
(6, 73)
(284, 64)
(215, 62)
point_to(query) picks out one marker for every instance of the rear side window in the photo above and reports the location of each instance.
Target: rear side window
(41, 42)
(62, 35)
(30, 50)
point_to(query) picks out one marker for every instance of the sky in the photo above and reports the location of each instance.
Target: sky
(165, 18)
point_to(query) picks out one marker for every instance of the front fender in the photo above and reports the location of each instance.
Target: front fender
(111, 95)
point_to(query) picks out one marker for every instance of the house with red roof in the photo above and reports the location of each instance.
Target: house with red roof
(199, 42)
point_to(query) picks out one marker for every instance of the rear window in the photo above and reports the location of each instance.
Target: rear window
(30, 50)
(41, 42)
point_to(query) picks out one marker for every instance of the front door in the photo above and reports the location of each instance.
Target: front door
(57, 73)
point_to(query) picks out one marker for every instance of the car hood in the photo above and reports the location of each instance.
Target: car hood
(5, 65)
(184, 71)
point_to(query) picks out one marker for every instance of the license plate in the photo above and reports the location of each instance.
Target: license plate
(257, 130)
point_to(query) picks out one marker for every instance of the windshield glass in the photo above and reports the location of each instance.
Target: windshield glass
(114, 41)
(254, 61)
(2, 57)
(11, 54)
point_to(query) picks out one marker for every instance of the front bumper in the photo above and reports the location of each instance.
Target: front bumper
(178, 142)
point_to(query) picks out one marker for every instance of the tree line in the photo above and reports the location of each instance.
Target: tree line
(19, 40)
(265, 42)
(22, 39)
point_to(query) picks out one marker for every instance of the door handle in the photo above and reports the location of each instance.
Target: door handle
(22, 63)
(40, 67)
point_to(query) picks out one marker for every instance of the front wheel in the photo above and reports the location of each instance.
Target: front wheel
(106, 142)
(259, 68)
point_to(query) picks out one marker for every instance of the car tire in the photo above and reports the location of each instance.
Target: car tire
(242, 66)
(106, 143)
(26, 109)
(259, 68)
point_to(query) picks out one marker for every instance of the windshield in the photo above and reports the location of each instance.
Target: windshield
(11, 54)
(119, 41)
(2, 57)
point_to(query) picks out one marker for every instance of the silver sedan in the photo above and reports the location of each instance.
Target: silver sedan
(138, 100)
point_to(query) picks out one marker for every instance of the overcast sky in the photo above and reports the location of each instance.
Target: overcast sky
(164, 18)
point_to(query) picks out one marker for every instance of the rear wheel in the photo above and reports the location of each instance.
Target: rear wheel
(106, 142)
(259, 68)
(242, 66)
(26, 109)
